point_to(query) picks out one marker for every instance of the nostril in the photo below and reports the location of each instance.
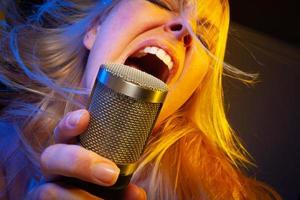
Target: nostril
(176, 27)
(180, 32)
(187, 40)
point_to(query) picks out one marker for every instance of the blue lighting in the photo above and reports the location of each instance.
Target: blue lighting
(103, 75)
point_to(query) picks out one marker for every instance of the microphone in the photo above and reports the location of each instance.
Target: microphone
(124, 106)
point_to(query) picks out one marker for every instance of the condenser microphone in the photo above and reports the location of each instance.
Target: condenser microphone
(124, 105)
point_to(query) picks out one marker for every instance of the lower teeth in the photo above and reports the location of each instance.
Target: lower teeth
(134, 66)
(139, 54)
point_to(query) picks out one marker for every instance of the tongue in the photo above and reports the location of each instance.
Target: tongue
(151, 65)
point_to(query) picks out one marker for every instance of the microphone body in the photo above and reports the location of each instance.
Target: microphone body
(124, 106)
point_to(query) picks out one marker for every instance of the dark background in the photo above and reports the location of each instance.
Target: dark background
(277, 18)
(264, 39)
(280, 19)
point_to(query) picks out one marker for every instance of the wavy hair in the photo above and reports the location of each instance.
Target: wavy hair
(42, 67)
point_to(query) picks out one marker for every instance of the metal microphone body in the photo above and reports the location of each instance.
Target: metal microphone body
(124, 106)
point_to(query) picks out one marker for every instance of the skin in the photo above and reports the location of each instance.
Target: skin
(75, 161)
(117, 37)
(123, 33)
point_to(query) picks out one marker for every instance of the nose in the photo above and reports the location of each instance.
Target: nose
(179, 30)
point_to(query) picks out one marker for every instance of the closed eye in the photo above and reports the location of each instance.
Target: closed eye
(202, 40)
(161, 4)
(207, 33)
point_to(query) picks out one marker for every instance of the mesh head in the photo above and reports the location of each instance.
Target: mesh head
(136, 76)
(120, 125)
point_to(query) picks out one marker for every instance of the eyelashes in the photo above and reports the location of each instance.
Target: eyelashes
(203, 41)
(161, 4)
(164, 5)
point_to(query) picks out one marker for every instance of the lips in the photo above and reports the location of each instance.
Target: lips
(152, 60)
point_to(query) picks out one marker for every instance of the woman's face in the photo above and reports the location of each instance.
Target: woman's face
(139, 27)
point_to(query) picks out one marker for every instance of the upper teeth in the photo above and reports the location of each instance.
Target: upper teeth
(160, 53)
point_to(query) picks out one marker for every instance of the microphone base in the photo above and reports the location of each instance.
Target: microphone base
(114, 192)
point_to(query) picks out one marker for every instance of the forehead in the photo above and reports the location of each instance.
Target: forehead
(210, 11)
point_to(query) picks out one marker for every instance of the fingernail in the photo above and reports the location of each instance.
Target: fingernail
(106, 173)
(75, 118)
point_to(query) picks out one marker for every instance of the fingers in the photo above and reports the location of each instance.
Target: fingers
(72, 125)
(134, 192)
(75, 161)
(51, 191)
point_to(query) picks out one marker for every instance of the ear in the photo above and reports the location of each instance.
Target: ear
(90, 37)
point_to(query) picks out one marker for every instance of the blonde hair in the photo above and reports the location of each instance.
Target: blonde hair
(50, 64)
(208, 152)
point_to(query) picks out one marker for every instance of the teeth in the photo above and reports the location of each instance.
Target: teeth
(139, 54)
(160, 53)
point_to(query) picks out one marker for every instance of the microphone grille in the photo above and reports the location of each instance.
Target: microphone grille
(136, 76)
(120, 125)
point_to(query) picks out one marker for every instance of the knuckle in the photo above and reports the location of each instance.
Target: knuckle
(74, 158)
(48, 192)
(47, 154)
(45, 157)
(62, 124)
(63, 159)
(78, 159)
(56, 133)
(50, 155)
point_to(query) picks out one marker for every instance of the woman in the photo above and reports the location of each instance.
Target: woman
(50, 63)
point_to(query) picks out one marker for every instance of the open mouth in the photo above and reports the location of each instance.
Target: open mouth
(152, 60)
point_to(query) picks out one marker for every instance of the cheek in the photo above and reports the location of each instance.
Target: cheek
(189, 81)
(107, 47)
(115, 33)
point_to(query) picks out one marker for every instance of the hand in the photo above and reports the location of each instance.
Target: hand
(67, 159)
